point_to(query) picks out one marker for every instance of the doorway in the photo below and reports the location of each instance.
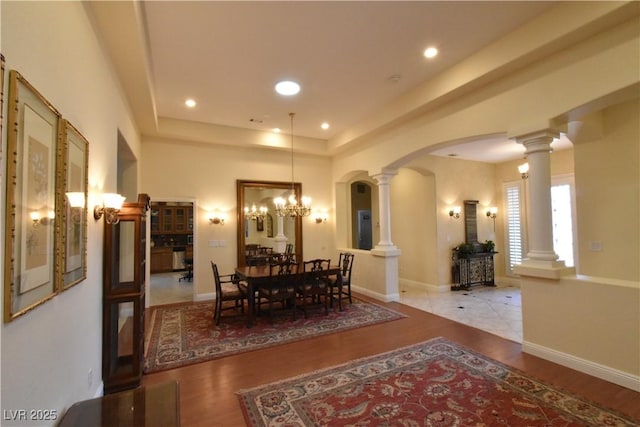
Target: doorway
(365, 238)
(171, 265)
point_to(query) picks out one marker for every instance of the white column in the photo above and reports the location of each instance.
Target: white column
(280, 239)
(384, 205)
(385, 254)
(541, 255)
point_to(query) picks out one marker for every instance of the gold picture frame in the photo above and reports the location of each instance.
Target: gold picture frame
(1, 98)
(30, 232)
(73, 162)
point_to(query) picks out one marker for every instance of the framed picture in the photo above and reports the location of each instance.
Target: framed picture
(259, 224)
(30, 232)
(73, 160)
(1, 98)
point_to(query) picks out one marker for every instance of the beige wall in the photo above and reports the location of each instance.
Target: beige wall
(608, 196)
(48, 353)
(207, 174)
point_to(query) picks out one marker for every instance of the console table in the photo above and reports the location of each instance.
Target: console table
(472, 269)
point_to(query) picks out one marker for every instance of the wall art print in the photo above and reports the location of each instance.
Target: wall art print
(73, 160)
(30, 228)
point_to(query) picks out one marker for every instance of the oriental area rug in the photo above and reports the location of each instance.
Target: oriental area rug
(434, 383)
(185, 334)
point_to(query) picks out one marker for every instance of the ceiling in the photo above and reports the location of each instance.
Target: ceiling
(350, 58)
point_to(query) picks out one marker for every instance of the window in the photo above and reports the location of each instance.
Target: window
(514, 224)
(562, 209)
(563, 218)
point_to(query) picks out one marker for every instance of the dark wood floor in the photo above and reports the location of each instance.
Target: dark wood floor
(207, 390)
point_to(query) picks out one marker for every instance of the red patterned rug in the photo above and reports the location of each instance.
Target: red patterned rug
(186, 334)
(435, 383)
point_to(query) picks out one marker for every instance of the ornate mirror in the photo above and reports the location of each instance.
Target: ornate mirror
(268, 230)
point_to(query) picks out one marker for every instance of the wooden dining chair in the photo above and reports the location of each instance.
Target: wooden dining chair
(341, 289)
(228, 288)
(280, 287)
(314, 287)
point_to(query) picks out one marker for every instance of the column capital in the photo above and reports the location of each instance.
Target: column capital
(384, 176)
(538, 140)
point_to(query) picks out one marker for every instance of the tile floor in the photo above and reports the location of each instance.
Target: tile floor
(493, 309)
(166, 288)
(496, 310)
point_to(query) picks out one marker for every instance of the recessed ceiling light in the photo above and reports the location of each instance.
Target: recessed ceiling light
(190, 103)
(325, 126)
(430, 52)
(287, 87)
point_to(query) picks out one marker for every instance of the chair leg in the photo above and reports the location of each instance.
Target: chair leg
(217, 310)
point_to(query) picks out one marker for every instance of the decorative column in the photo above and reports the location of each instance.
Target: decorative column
(280, 239)
(384, 203)
(385, 254)
(541, 259)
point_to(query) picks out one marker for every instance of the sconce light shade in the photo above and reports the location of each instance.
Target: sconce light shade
(111, 205)
(524, 170)
(455, 212)
(216, 218)
(321, 217)
(76, 199)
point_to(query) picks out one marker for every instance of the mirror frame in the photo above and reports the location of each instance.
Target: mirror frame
(241, 185)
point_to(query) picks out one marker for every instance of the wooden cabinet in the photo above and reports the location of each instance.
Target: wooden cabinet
(472, 269)
(124, 298)
(161, 259)
(171, 219)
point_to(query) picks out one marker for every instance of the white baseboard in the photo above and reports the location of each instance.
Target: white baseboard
(606, 373)
(406, 283)
(100, 390)
(376, 295)
(204, 297)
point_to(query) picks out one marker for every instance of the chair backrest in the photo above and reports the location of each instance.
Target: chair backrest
(283, 273)
(315, 270)
(346, 263)
(216, 278)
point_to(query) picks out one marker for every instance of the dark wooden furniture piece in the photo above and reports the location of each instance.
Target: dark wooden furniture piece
(342, 289)
(123, 297)
(315, 285)
(256, 276)
(472, 269)
(281, 287)
(154, 405)
(227, 289)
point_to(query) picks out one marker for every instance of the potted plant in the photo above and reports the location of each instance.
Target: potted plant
(489, 246)
(465, 249)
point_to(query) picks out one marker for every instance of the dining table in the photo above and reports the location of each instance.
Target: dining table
(258, 275)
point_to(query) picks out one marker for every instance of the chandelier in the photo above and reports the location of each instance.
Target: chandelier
(290, 206)
(255, 213)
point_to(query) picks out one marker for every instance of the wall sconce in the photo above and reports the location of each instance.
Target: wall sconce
(215, 218)
(321, 217)
(76, 204)
(493, 213)
(40, 220)
(76, 199)
(455, 212)
(524, 170)
(111, 205)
